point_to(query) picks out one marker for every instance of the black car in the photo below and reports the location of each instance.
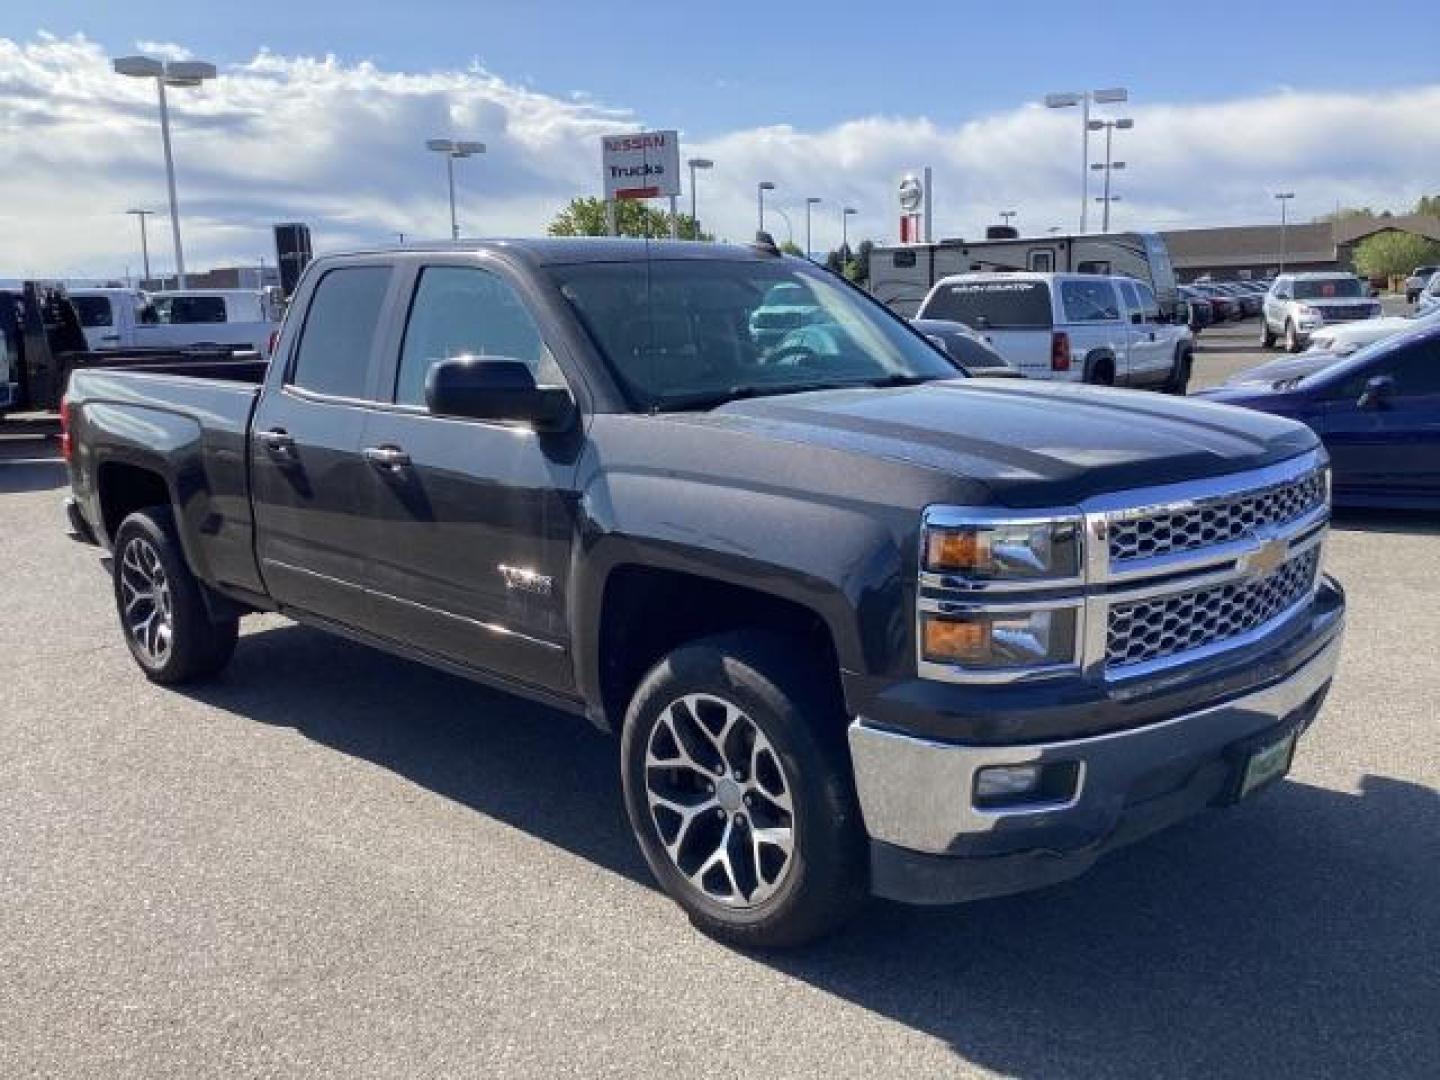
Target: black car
(965, 346)
(1202, 311)
(862, 623)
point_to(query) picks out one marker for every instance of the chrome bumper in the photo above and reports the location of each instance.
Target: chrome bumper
(920, 795)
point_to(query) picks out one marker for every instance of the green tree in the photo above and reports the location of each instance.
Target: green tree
(1347, 213)
(1429, 205)
(789, 247)
(585, 216)
(1394, 254)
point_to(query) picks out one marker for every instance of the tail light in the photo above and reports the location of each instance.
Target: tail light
(1059, 351)
(65, 428)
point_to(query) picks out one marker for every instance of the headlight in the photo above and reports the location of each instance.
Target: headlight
(1009, 551)
(998, 640)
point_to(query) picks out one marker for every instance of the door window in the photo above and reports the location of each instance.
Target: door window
(1148, 303)
(1042, 261)
(1415, 369)
(464, 311)
(93, 311)
(339, 332)
(1089, 301)
(1132, 297)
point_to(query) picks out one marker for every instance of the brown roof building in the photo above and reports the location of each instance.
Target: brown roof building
(1252, 251)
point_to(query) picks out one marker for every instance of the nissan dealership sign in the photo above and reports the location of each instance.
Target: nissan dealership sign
(645, 165)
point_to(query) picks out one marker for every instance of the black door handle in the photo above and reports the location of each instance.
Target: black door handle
(387, 457)
(278, 442)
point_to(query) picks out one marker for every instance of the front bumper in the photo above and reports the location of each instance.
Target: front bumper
(931, 843)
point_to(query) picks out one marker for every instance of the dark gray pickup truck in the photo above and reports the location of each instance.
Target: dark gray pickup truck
(864, 624)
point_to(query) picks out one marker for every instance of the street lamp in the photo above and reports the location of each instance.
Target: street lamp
(696, 163)
(1085, 98)
(453, 149)
(760, 189)
(144, 240)
(845, 230)
(1124, 124)
(176, 73)
(1008, 216)
(1284, 197)
(810, 200)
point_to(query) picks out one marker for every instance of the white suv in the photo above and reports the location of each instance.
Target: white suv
(1299, 304)
(1070, 327)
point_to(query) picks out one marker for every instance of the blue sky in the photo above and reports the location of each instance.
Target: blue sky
(712, 67)
(322, 108)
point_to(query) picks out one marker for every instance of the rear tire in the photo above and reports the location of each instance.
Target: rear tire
(728, 738)
(163, 616)
(1101, 372)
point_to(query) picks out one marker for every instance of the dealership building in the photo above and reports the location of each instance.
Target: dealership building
(1255, 251)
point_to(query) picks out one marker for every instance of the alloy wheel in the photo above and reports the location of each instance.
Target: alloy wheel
(720, 800)
(147, 605)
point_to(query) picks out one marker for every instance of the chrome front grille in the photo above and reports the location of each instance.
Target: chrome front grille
(1151, 629)
(1214, 521)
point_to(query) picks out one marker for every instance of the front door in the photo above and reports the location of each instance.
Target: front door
(471, 521)
(305, 465)
(1388, 446)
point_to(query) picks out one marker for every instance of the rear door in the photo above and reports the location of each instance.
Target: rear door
(308, 478)
(469, 532)
(1097, 323)
(1390, 448)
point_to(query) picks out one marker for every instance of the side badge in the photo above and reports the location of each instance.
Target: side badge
(518, 579)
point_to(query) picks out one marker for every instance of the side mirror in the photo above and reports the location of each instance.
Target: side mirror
(1377, 392)
(493, 388)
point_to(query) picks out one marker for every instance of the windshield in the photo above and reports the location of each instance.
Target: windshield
(1328, 288)
(691, 333)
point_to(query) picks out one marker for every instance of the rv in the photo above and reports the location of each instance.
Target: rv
(901, 276)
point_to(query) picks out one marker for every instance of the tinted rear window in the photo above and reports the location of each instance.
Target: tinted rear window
(92, 310)
(335, 346)
(197, 309)
(997, 304)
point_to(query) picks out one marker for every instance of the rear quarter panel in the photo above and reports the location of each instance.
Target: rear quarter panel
(190, 432)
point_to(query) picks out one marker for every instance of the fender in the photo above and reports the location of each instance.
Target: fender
(1094, 356)
(847, 567)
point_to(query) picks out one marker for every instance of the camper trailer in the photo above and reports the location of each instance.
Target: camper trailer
(901, 276)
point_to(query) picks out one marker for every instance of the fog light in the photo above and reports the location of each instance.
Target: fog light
(1000, 781)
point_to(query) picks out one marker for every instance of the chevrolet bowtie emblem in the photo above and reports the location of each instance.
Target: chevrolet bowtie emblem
(1267, 557)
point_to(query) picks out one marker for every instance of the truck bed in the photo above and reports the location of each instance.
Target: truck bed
(188, 423)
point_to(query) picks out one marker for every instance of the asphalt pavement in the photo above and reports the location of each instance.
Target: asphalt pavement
(332, 862)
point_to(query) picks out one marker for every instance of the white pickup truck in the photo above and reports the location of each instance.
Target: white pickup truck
(1070, 327)
(131, 318)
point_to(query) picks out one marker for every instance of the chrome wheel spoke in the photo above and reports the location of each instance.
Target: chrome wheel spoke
(720, 800)
(146, 604)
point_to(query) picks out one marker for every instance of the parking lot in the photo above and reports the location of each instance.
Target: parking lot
(335, 861)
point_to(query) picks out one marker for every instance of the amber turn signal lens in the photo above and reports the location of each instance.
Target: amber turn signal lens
(957, 641)
(957, 549)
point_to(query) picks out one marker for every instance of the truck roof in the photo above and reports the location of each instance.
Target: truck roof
(557, 250)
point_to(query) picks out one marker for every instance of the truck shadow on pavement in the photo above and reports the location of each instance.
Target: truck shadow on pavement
(19, 476)
(1298, 935)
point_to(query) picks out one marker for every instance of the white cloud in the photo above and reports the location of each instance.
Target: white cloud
(165, 50)
(341, 146)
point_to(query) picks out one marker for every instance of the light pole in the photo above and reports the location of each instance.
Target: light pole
(1284, 197)
(760, 189)
(845, 215)
(1124, 124)
(178, 73)
(1085, 98)
(696, 163)
(144, 240)
(810, 200)
(1008, 216)
(453, 149)
(1107, 200)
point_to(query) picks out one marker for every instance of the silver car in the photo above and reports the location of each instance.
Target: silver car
(1299, 304)
(1416, 282)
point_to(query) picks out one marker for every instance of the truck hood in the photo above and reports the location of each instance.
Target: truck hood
(1030, 444)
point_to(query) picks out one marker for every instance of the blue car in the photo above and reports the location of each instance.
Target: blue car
(1377, 411)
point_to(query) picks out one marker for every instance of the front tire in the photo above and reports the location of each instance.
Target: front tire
(1179, 381)
(1267, 336)
(1292, 337)
(738, 787)
(163, 616)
